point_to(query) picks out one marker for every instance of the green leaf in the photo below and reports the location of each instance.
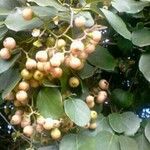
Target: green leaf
(6, 64)
(129, 6)
(45, 12)
(127, 123)
(127, 143)
(49, 103)
(77, 142)
(50, 147)
(78, 111)
(147, 131)
(142, 142)
(52, 3)
(137, 37)
(87, 71)
(102, 125)
(15, 21)
(107, 141)
(93, 1)
(101, 58)
(14, 79)
(144, 64)
(122, 98)
(117, 23)
(3, 31)
(8, 4)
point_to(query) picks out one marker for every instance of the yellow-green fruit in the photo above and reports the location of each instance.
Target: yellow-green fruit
(55, 134)
(93, 114)
(74, 82)
(38, 75)
(26, 74)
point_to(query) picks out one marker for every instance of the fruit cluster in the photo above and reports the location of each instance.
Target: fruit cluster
(49, 64)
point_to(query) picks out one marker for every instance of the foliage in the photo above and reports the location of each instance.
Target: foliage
(121, 57)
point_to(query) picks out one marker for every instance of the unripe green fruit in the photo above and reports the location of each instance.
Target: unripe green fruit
(26, 74)
(55, 134)
(9, 43)
(28, 130)
(103, 84)
(93, 114)
(80, 21)
(5, 54)
(27, 13)
(38, 75)
(74, 82)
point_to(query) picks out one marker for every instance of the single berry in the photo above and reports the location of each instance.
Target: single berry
(21, 96)
(103, 84)
(80, 21)
(74, 82)
(101, 97)
(28, 130)
(27, 13)
(5, 54)
(31, 64)
(23, 85)
(41, 56)
(9, 43)
(38, 75)
(55, 134)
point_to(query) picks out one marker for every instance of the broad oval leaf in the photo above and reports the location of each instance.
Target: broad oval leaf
(78, 111)
(127, 143)
(107, 141)
(49, 103)
(87, 71)
(8, 4)
(129, 6)
(147, 131)
(127, 123)
(15, 21)
(14, 79)
(3, 31)
(101, 58)
(45, 12)
(144, 64)
(6, 64)
(77, 142)
(122, 98)
(53, 3)
(137, 37)
(117, 23)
